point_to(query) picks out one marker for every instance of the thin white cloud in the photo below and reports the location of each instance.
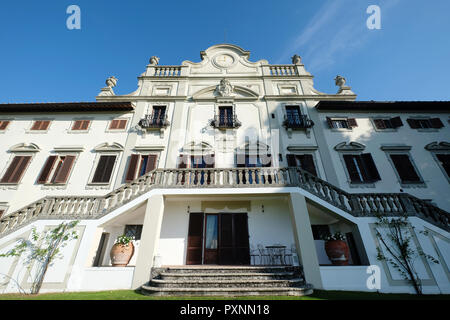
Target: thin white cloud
(336, 31)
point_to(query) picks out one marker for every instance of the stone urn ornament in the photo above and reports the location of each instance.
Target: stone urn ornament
(337, 249)
(122, 251)
(296, 59)
(340, 81)
(111, 82)
(154, 60)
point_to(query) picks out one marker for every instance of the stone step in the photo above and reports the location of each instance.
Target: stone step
(225, 276)
(235, 283)
(232, 291)
(226, 269)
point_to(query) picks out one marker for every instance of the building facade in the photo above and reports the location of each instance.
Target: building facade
(208, 162)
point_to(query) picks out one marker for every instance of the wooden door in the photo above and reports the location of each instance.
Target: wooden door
(195, 239)
(233, 239)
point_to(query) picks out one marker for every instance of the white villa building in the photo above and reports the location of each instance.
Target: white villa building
(209, 164)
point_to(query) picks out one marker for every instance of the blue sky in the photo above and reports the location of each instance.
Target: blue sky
(42, 61)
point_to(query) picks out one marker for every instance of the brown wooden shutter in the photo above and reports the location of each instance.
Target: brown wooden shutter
(352, 122)
(183, 161)
(195, 239)
(114, 124)
(330, 123)
(405, 168)
(16, 169)
(77, 125)
(396, 122)
(122, 124)
(291, 160)
(63, 174)
(370, 168)
(131, 173)
(436, 123)
(36, 125)
(104, 169)
(48, 166)
(413, 123)
(44, 125)
(4, 124)
(307, 163)
(351, 168)
(1, 213)
(85, 124)
(379, 124)
(151, 162)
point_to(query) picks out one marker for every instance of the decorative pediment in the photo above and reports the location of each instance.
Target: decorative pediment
(225, 90)
(352, 146)
(253, 147)
(435, 146)
(69, 149)
(104, 147)
(225, 59)
(24, 147)
(192, 147)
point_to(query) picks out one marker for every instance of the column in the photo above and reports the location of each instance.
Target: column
(304, 240)
(149, 240)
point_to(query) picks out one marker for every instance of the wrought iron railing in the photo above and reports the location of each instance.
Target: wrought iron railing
(357, 204)
(297, 122)
(225, 122)
(154, 121)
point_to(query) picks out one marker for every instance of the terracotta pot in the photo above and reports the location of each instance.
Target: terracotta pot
(121, 254)
(337, 251)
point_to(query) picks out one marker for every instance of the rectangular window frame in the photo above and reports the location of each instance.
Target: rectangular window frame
(8, 164)
(331, 120)
(139, 164)
(109, 129)
(8, 125)
(113, 171)
(314, 159)
(353, 184)
(53, 171)
(422, 118)
(72, 124)
(420, 184)
(30, 130)
(434, 155)
(384, 118)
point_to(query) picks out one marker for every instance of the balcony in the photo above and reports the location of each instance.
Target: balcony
(152, 121)
(222, 122)
(297, 122)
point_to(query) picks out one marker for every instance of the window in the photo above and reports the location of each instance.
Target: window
(118, 124)
(81, 125)
(40, 125)
(432, 123)
(104, 169)
(140, 165)
(341, 123)
(159, 114)
(133, 230)
(320, 231)
(4, 124)
(254, 160)
(56, 170)
(225, 116)
(361, 168)
(405, 168)
(303, 161)
(196, 161)
(16, 169)
(444, 162)
(391, 123)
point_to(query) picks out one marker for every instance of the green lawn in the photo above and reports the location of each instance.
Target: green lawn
(133, 295)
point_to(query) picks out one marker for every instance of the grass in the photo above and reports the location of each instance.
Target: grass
(135, 295)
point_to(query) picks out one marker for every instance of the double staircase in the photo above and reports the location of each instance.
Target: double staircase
(95, 207)
(227, 281)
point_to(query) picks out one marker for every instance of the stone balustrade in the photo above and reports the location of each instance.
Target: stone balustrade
(167, 71)
(357, 204)
(283, 70)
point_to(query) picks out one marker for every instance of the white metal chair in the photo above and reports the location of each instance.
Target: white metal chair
(264, 256)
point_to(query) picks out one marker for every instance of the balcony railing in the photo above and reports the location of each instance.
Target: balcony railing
(356, 204)
(152, 121)
(297, 122)
(225, 122)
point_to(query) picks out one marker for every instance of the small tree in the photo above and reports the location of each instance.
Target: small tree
(400, 254)
(43, 249)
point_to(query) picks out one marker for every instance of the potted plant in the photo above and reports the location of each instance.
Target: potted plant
(337, 249)
(122, 251)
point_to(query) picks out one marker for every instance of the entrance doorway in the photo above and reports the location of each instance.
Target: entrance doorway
(218, 238)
